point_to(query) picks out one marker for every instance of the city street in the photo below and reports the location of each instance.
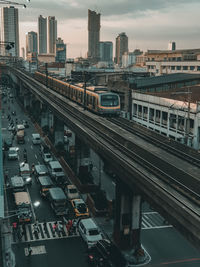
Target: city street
(161, 241)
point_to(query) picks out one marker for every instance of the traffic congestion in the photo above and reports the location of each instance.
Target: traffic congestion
(42, 203)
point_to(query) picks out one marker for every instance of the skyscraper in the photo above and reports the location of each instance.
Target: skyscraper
(121, 47)
(52, 34)
(106, 51)
(42, 34)
(93, 35)
(31, 42)
(60, 51)
(10, 29)
(171, 46)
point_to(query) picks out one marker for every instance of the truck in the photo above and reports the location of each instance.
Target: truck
(20, 137)
(23, 206)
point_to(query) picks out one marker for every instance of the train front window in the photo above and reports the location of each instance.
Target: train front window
(109, 100)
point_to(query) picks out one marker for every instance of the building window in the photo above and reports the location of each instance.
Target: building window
(172, 67)
(198, 68)
(174, 59)
(185, 67)
(178, 67)
(191, 67)
(179, 59)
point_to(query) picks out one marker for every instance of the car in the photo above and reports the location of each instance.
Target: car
(89, 231)
(107, 254)
(25, 123)
(13, 153)
(8, 142)
(14, 113)
(47, 157)
(71, 191)
(79, 207)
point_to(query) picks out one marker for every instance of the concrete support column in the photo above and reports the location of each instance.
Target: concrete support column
(82, 158)
(26, 101)
(122, 224)
(136, 222)
(44, 118)
(58, 130)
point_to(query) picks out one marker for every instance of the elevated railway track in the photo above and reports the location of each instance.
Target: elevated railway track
(174, 190)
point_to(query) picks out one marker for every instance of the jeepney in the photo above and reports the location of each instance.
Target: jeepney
(45, 184)
(58, 201)
(23, 206)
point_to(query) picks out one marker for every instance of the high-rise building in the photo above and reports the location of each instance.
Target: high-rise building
(60, 51)
(42, 35)
(106, 51)
(23, 52)
(31, 42)
(121, 47)
(93, 35)
(171, 46)
(10, 29)
(52, 34)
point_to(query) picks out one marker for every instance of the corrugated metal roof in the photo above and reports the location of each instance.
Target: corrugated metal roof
(164, 79)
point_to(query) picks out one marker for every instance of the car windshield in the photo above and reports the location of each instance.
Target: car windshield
(93, 232)
(48, 156)
(72, 191)
(81, 207)
(58, 170)
(12, 152)
(109, 100)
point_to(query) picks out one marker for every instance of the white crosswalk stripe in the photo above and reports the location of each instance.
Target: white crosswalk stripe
(153, 220)
(42, 234)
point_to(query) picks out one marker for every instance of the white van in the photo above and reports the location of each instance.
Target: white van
(89, 231)
(36, 139)
(56, 171)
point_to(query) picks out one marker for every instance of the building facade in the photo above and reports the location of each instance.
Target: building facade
(129, 58)
(121, 47)
(93, 35)
(175, 119)
(61, 51)
(52, 34)
(42, 35)
(172, 46)
(161, 62)
(31, 42)
(106, 51)
(10, 29)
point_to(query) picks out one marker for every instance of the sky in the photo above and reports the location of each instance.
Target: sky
(149, 24)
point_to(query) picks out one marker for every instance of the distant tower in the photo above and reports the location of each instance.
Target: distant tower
(106, 51)
(31, 42)
(171, 46)
(42, 35)
(23, 52)
(121, 47)
(10, 29)
(52, 34)
(93, 35)
(60, 51)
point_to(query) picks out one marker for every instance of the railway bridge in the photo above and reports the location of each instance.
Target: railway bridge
(171, 184)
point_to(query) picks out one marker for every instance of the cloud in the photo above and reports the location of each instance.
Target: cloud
(149, 24)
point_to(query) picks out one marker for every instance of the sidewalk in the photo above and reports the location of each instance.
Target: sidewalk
(7, 253)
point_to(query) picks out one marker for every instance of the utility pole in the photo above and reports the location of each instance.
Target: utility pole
(84, 97)
(46, 71)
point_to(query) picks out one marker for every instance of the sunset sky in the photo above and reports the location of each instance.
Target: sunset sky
(149, 24)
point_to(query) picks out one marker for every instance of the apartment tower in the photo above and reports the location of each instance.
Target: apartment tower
(121, 47)
(31, 42)
(93, 35)
(52, 34)
(10, 29)
(42, 35)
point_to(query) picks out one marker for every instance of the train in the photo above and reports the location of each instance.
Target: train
(97, 99)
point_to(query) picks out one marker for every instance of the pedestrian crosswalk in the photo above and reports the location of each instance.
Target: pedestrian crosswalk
(44, 233)
(153, 220)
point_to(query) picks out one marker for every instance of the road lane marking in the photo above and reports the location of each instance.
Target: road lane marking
(35, 156)
(31, 147)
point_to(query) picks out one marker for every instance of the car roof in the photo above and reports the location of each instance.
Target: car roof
(45, 180)
(78, 200)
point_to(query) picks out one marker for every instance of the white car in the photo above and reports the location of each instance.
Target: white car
(47, 157)
(71, 192)
(13, 153)
(89, 231)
